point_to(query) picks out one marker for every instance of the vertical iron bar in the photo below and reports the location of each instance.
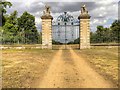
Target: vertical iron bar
(65, 36)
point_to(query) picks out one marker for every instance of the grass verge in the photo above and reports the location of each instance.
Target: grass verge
(104, 60)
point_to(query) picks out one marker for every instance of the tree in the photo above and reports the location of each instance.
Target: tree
(99, 34)
(13, 18)
(105, 35)
(56, 42)
(40, 38)
(27, 27)
(10, 29)
(20, 30)
(93, 37)
(77, 41)
(102, 35)
(3, 6)
(115, 28)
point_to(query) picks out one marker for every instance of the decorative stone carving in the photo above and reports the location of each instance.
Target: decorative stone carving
(47, 10)
(84, 13)
(46, 13)
(84, 9)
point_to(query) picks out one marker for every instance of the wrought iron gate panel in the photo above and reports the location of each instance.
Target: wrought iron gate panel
(65, 30)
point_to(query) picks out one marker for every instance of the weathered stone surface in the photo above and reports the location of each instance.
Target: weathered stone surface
(84, 16)
(47, 17)
(84, 28)
(47, 29)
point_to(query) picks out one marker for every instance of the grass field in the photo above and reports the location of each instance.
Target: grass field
(105, 60)
(22, 67)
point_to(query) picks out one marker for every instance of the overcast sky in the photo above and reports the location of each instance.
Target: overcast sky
(103, 12)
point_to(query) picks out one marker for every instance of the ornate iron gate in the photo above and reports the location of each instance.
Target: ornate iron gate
(65, 32)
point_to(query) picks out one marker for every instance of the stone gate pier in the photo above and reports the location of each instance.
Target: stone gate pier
(84, 19)
(84, 28)
(47, 28)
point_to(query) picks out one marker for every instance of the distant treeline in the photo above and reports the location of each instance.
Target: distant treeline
(106, 35)
(18, 29)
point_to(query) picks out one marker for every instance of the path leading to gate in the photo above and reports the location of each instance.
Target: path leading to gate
(68, 70)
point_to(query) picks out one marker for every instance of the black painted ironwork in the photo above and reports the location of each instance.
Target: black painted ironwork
(64, 29)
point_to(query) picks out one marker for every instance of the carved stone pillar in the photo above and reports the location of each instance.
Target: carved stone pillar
(84, 19)
(47, 29)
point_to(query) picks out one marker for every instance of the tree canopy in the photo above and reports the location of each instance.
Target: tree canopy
(105, 35)
(27, 27)
(20, 30)
(3, 6)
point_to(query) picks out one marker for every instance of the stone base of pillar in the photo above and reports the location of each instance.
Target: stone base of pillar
(46, 46)
(84, 46)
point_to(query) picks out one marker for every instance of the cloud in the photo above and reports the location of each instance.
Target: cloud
(69, 6)
(103, 12)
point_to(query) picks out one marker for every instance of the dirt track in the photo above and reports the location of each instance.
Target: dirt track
(68, 70)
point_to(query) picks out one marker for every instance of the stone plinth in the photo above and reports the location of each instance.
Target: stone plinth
(47, 31)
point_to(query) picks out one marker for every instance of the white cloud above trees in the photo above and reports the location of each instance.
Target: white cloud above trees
(103, 12)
